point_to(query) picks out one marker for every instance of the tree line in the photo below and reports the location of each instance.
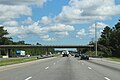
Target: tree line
(109, 42)
(5, 40)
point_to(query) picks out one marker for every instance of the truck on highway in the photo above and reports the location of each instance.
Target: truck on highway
(65, 53)
(20, 53)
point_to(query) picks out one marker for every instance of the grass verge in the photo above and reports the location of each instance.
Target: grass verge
(15, 61)
(114, 59)
(57, 55)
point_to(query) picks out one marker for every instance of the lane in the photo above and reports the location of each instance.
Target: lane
(68, 69)
(106, 63)
(61, 68)
(22, 72)
(59, 71)
(105, 69)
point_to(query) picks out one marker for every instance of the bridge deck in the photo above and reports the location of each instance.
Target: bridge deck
(46, 46)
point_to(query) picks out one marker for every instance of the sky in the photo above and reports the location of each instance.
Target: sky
(57, 22)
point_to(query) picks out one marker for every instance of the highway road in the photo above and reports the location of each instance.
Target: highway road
(61, 68)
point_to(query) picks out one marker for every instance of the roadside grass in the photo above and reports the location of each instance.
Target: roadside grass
(57, 55)
(114, 59)
(15, 61)
(93, 53)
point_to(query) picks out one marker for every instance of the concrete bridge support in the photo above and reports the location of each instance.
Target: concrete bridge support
(46, 52)
(8, 53)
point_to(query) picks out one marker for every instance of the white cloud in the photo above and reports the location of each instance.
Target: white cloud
(73, 13)
(11, 23)
(33, 29)
(99, 25)
(8, 12)
(28, 21)
(81, 33)
(15, 31)
(12, 9)
(62, 34)
(61, 28)
(21, 37)
(1, 25)
(44, 36)
(91, 32)
(45, 20)
(23, 2)
(49, 39)
(43, 33)
(83, 11)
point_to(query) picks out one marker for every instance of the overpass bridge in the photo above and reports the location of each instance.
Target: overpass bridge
(45, 46)
(9, 47)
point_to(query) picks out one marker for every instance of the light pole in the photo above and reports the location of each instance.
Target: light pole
(96, 39)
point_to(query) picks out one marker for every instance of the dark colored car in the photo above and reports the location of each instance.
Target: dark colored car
(84, 57)
(76, 55)
(72, 54)
(65, 55)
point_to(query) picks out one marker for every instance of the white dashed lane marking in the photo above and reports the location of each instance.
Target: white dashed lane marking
(89, 68)
(54, 63)
(28, 78)
(107, 78)
(46, 67)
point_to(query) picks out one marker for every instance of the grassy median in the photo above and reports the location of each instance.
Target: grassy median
(15, 61)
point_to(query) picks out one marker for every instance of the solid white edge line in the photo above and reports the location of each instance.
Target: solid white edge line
(107, 78)
(46, 67)
(28, 78)
(89, 68)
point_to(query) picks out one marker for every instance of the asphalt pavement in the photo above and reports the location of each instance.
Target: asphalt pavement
(61, 68)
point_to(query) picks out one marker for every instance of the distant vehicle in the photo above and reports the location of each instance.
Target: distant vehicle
(84, 57)
(76, 55)
(65, 53)
(72, 54)
(27, 55)
(20, 53)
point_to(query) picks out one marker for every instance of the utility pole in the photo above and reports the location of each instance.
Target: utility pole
(96, 39)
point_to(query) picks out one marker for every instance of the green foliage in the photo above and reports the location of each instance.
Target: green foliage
(109, 43)
(3, 39)
(106, 50)
(105, 36)
(0, 56)
(93, 54)
(84, 50)
(3, 32)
